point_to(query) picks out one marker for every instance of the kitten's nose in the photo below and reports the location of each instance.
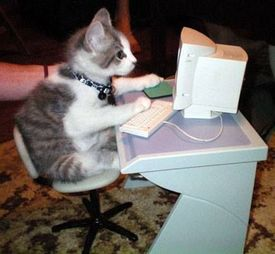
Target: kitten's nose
(134, 60)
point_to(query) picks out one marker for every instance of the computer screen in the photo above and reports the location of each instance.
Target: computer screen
(209, 76)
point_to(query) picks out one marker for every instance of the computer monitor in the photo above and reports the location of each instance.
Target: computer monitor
(209, 76)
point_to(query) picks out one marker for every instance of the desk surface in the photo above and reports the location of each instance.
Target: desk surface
(237, 140)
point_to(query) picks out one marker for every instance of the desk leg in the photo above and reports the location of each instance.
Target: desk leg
(211, 214)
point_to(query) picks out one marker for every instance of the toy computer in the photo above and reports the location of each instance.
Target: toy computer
(209, 76)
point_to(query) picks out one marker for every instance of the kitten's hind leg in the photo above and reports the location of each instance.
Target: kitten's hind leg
(95, 162)
(78, 166)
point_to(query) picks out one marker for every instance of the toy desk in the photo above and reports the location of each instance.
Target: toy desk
(215, 180)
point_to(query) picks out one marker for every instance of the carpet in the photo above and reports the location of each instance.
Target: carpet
(28, 211)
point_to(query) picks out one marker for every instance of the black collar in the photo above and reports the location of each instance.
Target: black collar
(105, 90)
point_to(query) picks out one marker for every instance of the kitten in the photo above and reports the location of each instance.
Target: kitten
(67, 123)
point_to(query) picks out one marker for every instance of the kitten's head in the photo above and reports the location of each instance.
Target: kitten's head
(100, 50)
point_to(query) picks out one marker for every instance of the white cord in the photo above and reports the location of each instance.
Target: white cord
(196, 138)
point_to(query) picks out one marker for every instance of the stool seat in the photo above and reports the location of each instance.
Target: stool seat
(22, 150)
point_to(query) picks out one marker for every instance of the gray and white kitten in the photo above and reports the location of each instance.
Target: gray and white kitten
(67, 129)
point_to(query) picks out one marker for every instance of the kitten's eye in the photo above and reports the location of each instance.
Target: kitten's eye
(120, 55)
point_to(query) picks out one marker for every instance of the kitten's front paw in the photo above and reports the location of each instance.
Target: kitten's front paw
(151, 80)
(142, 104)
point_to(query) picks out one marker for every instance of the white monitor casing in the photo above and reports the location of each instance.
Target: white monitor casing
(209, 76)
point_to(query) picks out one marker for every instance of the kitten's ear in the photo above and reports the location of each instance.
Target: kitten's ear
(103, 16)
(95, 35)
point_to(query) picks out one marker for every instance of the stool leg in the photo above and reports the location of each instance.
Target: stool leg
(90, 237)
(71, 224)
(89, 207)
(92, 205)
(120, 230)
(94, 202)
(113, 211)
